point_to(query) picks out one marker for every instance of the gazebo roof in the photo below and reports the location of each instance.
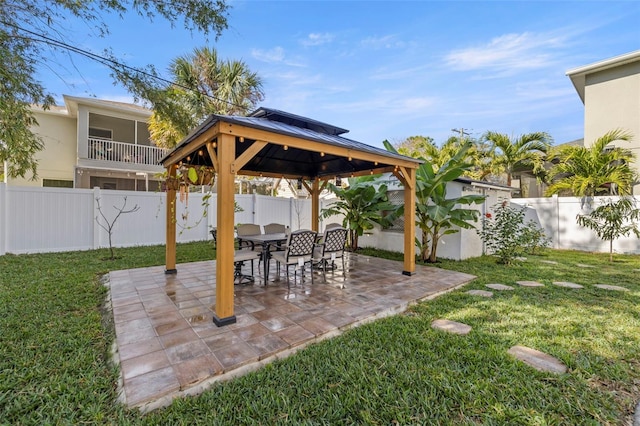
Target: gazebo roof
(297, 147)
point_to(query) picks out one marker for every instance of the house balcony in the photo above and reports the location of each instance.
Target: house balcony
(121, 155)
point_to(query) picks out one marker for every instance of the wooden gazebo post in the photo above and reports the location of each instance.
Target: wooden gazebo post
(224, 313)
(408, 178)
(170, 238)
(409, 222)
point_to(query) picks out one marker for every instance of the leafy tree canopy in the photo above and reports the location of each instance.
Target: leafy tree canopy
(203, 84)
(597, 170)
(31, 31)
(526, 152)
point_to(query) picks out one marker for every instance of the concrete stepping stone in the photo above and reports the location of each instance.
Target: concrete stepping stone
(582, 265)
(529, 283)
(567, 284)
(482, 293)
(550, 262)
(451, 326)
(499, 287)
(611, 287)
(521, 259)
(538, 360)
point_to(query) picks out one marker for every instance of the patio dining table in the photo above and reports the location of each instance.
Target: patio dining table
(266, 240)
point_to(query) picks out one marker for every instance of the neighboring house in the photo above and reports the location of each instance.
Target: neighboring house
(610, 92)
(95, 143)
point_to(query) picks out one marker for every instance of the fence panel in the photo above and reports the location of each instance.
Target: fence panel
(557, 216)
(39, 220)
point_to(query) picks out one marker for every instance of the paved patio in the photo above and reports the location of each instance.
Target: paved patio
(167, 345)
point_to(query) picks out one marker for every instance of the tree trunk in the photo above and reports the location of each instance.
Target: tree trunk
(424, 249)
(434, 249)
(610, 250)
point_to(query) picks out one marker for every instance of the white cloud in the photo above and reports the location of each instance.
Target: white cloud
(507, 53)
(317, 39)
(385, 42)
(274, 55)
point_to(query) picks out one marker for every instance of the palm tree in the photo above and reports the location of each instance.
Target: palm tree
(203, 85)
(424, 147)
(523, 153)
(596, 170)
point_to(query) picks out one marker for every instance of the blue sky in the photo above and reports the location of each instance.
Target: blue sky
(392, 69)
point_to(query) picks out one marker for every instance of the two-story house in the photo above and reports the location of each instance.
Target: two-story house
(91, 143)
(610, 92)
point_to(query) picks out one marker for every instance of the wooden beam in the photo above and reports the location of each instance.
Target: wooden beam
(246, 156)
(193, 146)
(409, 223)
(386, 169)
(224, 313)
(314, 146)
(170, 234)
(315, 205)
(212, 154)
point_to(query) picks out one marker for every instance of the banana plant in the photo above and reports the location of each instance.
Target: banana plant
(362, 205)
(437, 215)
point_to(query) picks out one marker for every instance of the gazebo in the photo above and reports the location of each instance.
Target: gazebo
(277, 144)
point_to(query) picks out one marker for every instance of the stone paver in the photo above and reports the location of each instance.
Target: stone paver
(567, 284)
(550, 262)
(481, 293)
(530, 284)
(538, 360)
(451, 326)
(167, 345)
(582, 265)
(499, 287)
(611, 287)
(521, 259)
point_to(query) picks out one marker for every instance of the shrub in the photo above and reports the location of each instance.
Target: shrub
(506, 236)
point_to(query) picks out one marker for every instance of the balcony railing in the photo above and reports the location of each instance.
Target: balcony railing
(106, 150)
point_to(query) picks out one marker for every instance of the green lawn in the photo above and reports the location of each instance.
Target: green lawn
(55, 344)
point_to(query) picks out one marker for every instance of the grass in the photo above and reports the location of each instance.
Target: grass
(55, 342)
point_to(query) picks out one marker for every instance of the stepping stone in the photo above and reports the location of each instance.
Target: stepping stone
(451, 326)
(521, 259)
(482, 293)
(538, 360)
(499, 287)
(550, 262)
(567, 284)
(582, 265)
(611, 287)
(530, 283)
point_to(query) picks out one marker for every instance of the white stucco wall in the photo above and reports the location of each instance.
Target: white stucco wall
(462, 245)
(612, 101)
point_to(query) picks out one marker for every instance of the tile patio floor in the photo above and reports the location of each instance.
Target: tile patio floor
(167, 345)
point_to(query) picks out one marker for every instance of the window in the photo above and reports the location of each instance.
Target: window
(57, 183)
(98, 133)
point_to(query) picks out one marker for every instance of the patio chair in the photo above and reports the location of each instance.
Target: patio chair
(245, 229)
(239, 257)
(297, 252)
(332, 225)
(275, 228)
(332, 248)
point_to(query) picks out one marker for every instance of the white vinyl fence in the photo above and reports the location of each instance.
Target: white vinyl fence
(38, 220)
(557, 216)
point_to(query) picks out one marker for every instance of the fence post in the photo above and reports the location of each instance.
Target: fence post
(254, 209)
(96, 228)
(556, 223)
(3, 218)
